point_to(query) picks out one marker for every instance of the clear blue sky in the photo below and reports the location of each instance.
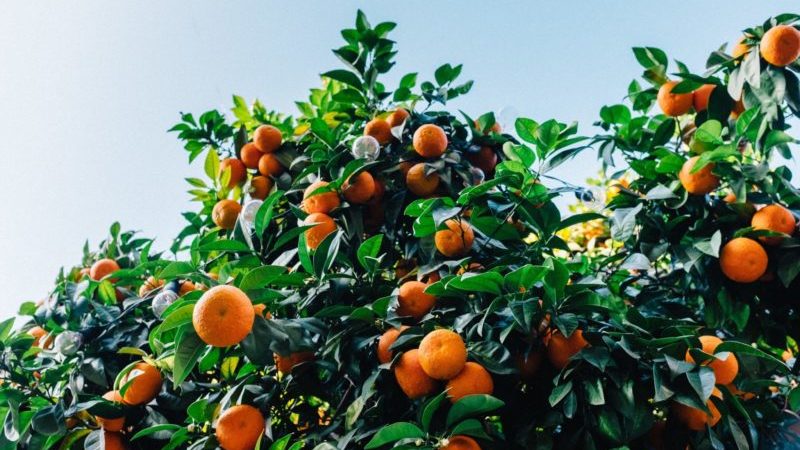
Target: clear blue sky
(88, 89)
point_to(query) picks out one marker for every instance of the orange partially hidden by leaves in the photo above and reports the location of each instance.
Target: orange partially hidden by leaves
(239, 428)
(442, 354)
(145, 384)
(237, 171)
(149, 285)
(380, 130)
(724, 370)
(359, 189)
(743, 260)
(316, 234)
(697, 419)
(103, 268)
(321, 202)
(413, 301)
(673, 105)
(111, 424)
(740, 49)
(700, 182)
(495, 128)
(386, 340)
(260, 187)
(267, 138)
(461, 443)
(287, 363)
(223, 316)
(774, 218)
(472, 380)
(269, 165)
(38, 333)
(419, 183)
(701, 95)
(780, 45)
(250, 154)
(560, 349)
(414, 382)
(186, 287)
(261, 311)
(225, 213)
(397, 117)
(430, 141)
(738, 109)
(485, 159)
(456, 240)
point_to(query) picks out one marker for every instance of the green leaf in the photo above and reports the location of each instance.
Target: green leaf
(188, 348)
(489, 282)
(211, 165)
(472, 405)
(369, 249)
(260, 277)
(345, 76)
(393, 433)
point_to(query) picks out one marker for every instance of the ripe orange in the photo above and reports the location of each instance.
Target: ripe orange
(413, 301)
(701, 95)
(743, 260)
(225, 213)
(473, 379)
(780, 46)
(442, 354)
(111, 424)
(267, 138)
(696, 419)
(560, 349)
(250, 154)
(268, 165)
(149, 285)
(460, 442)
(359, 189)
(740, 49)
(456, 240)
(38, 333)
(260, 187)
(724, 370)
(261, 310)
(316, 234)
(114, 441)
(237, 169)
(419, 183)
(239, 428)
(324, 202)
(673, 104)
(397, 117)
(103, 268)
(414, 382)
(286, 364)
(380, 130)
(223, 316)
(485, 159)
(701, 182)
(774, 218)
(386, 340)
(430, 141)
(186, 287)
(145, 384)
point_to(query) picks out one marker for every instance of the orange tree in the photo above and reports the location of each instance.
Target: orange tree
(377, 272)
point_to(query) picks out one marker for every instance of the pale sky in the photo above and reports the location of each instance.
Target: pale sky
(89, 88)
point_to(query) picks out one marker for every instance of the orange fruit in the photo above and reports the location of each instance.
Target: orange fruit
(261, 310)
(239, 428)
(250, 154)
(186, 287)
(701, 95)
(673, 104)
(286, 364)
(419, 183)
(38, 333)
(237, 169)
(456, 240)
(413, 301)
(316, 234)
(743, 260)
(324, 202)
(472, 380)
(225, 213)
(740, 49)
(787, 355)
(223, 316)
(774, 218)
(528, 364)
(269, 165)
(495, 128)
(442, 354)
(111, 424)
(780, 45)
(430, 141)
(696, 419)
(267, 138)
(145, 384)
(724, 370)
(114, 441)
(744, 395)
(414, 382)
(461, 442)
(397, 117)
(560, 349)
(405, 166)
(701, 182)
(485, 159)
(386, 340)
(149, 285)
(359, 189)
(380, 130)
(260, 187)
(103, 268)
